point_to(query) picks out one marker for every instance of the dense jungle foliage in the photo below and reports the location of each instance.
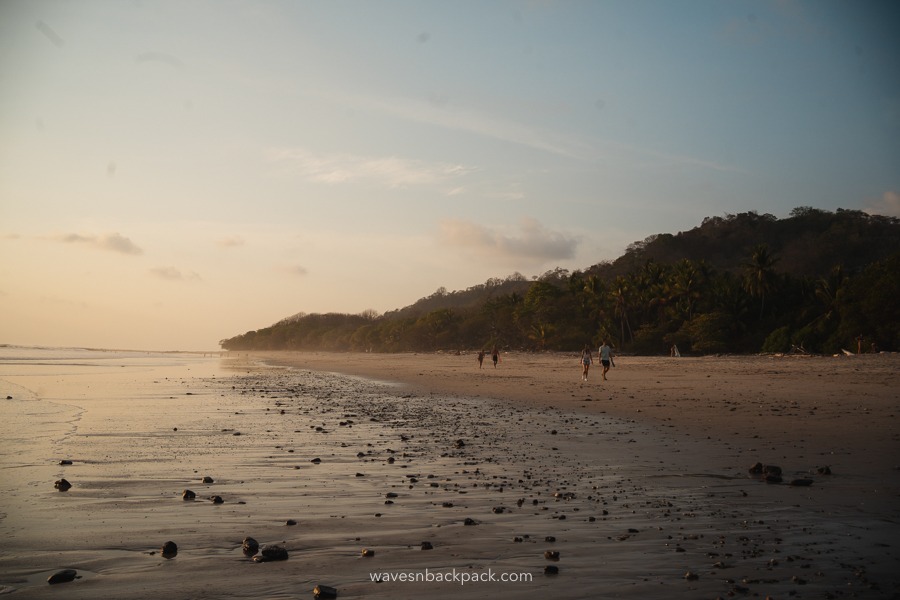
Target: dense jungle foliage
(815, 281)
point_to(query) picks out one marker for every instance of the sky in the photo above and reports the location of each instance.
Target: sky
(173, 173)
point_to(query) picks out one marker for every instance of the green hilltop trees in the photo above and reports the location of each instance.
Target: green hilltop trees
(816, 281)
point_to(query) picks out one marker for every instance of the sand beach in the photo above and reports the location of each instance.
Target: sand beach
(457, 482)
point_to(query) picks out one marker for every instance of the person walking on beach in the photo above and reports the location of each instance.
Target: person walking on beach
(606, 358)
(495, 356)
(480, 358)
(586, 361)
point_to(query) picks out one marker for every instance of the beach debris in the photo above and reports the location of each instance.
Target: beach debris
(551, 570)
(208, 479)
(249, 546)
(290, 522)
(324, 591)
(216, 499)
(271, 553)
(770, 473)
(427, 546)
(761, 469)
(169, 550)
(551, 555)
(368, 553)
(64, 576)
(316, 460)
(469, 521)
(691, 576)
(65, 462)
(62, 485)
(188, 495)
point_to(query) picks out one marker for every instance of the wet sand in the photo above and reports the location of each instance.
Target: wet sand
(638, 480)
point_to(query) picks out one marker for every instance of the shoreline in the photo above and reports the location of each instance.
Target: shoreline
(639, 481)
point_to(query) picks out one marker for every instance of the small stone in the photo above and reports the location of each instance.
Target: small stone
(249, 546)
(368, 553)
(64, 463)
(549, 539)
(63, 576)
(551, 555)
(470, 522)
(691, 576)
(316, 461)
(324, 591)
(216, 499)
(826, 470)
(290, 522)
(208, 479)
(188, 495)
(169, 550)
(801, 482)
(427, 546)
(271, 553)
(551, 570)
(62, 485)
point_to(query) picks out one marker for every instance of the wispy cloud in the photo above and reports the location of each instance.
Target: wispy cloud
(575, 146)
(441, 114)
(159, 57)
(113, 242)
(230, 241)
(888, 205)
(392, 171)
(531, 242)
(174, 274)
(296, 271)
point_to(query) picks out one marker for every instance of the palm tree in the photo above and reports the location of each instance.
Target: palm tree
(620, 295)
(689, 281)
(760, 278)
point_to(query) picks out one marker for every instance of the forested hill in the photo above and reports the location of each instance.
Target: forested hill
(815, 281)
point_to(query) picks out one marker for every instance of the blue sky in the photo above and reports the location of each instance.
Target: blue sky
(174, 173)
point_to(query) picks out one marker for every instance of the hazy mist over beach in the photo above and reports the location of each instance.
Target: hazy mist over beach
(175, 173)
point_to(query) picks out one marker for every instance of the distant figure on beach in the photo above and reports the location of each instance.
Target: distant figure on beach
(673, 351)
(495, 356)
(606, 358)
(859, 341)
(586, 361)
(480, 358)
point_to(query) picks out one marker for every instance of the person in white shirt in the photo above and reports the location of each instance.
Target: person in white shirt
(606, 358)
